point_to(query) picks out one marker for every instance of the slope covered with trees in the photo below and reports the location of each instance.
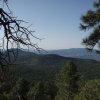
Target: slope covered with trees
(44, 67)
(48, 77)
(66, 82)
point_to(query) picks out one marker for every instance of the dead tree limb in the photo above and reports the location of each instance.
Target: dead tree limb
(14, 35)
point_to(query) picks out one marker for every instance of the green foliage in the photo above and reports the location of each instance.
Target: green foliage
(19, 91)
(92, 21)
(50, 90)
(37, 92)
(67, 82)
(68, 85)
(45, 68)
(42, 91)
(91, 91)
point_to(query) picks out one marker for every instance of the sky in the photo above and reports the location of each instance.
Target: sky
(55, 21)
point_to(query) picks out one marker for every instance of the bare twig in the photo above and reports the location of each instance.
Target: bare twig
(15, 35)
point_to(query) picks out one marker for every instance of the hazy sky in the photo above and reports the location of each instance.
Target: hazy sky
(55, 20)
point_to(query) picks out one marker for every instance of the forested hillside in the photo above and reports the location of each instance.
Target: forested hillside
(33, 67)
(44, 76)
(55, 74)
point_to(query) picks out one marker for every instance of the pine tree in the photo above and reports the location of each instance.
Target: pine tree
(36, 92)
(67, 82)
(91, 91)
(91, 20)
(19, 91)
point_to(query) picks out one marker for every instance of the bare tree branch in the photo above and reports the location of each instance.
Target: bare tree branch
(14, 35)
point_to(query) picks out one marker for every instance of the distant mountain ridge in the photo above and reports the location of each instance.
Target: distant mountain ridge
(81, 53)
(76, 53)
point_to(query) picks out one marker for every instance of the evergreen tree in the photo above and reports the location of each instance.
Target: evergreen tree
(67, 82)
(91, 91)
(50, 90)
(42, 91)
(91, 20)
(36, 92)
(19, 91)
